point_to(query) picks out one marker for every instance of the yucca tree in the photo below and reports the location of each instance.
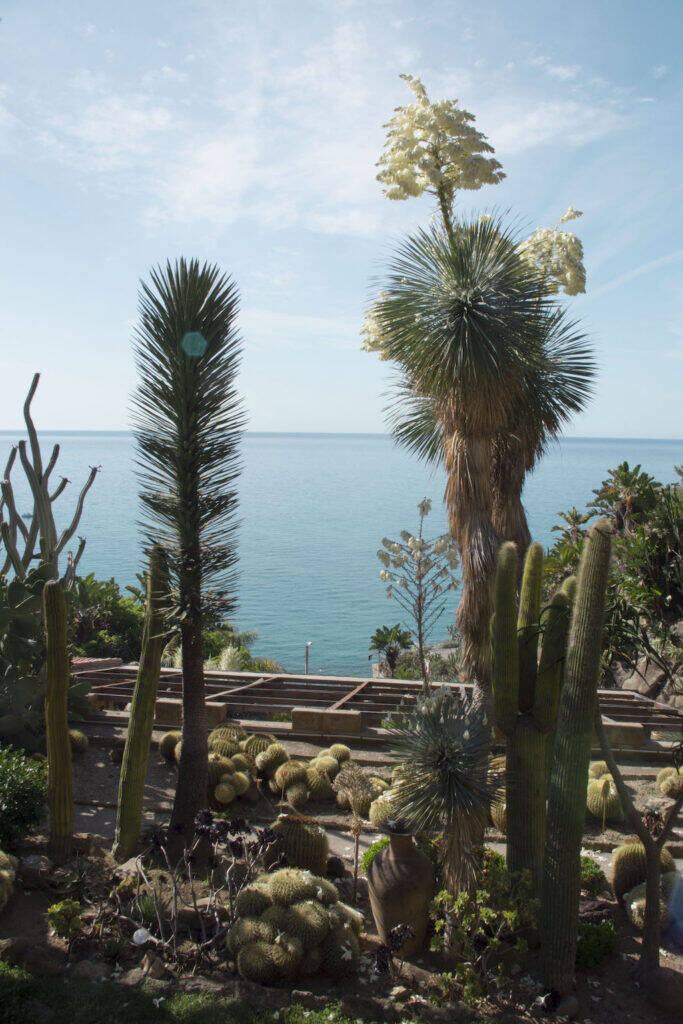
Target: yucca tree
(465, 319)
(444, 783)
(188, 424)
(555, 387)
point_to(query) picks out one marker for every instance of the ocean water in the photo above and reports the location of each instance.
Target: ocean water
(314, 508)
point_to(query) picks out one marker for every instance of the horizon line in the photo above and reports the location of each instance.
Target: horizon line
(322, 433)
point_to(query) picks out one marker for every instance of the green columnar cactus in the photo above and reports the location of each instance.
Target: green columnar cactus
(526, 693)
(59, 775)
(569, 775)
(139, 737)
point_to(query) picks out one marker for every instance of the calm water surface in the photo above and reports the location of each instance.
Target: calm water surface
(314, 508)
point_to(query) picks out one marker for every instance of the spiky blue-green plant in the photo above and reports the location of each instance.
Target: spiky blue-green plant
(444, 781)
(188, 426)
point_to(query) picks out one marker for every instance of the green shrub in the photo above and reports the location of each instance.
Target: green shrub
(65, 918)
(372, 852)
(484, 928)
(23, 787)
(593, 878)
(597, 942)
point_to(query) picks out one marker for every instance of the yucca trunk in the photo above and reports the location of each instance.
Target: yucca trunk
(190, 795)
(136, 752)
(469, 500)
(508, 514)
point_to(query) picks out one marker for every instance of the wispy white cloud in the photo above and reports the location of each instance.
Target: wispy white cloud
(515, 129)
(109, 134)
(660, 71)
(563, 72)
(644, 268)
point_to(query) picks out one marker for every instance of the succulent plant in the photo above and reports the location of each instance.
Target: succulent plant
(291, 937)
(288, 774)
(167, 744)
(499, 815)
(60, 776)
(598, 769)
(342, 913)
(634, 905)
(602, 800)
(297, 795)
(340, 752)
(327, 764)
(224, 745)
(270, 759)
(629, 866)
(344, 801)
(289, 885)
(571, 759)
(257, 744)
(303, 842)
(256, 962)
(135, 755)
(246, 930)
(228, 732)
(241, 763)
(218, 767)
(666, 773)
(383, 809)
(672, 786)
(526, 692)
(177, 751)
(240, 782)
(288, 954)
(378, 786)
(309, 922)
(8, 869)
(340, 952)
(319, 785)
(224, 793)
(252, 900)
(79, 742)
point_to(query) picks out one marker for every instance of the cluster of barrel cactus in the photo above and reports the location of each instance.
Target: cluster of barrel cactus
(291, 924)
(629, 866)
(8, 869)
(670, 781)
(303, 842)
(231, 762)
(79, 742)
(670, 902)
(602, 798)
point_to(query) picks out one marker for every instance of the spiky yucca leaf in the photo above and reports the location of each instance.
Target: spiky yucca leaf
(445, 782)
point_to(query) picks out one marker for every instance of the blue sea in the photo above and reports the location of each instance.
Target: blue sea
(314, 508)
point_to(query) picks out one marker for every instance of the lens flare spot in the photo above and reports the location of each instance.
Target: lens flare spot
(194, 344)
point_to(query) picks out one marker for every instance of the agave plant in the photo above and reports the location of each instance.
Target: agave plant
(444, 783)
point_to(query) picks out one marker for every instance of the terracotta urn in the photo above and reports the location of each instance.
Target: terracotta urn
(401, 885)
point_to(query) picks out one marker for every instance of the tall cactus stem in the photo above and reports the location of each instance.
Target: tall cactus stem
(569, 776)
(528, 625)
(59, 775)
(526, 799)
(138, 740)
(504, 645)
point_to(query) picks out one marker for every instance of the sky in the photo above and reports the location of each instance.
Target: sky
(247, 133)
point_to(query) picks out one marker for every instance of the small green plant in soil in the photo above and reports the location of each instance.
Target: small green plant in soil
(593, 878)
(23, 787)
(484, 932)
(597, 942)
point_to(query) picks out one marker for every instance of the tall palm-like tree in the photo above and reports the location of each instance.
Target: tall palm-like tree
(188, 423)
(475, 333)
(556, 387)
